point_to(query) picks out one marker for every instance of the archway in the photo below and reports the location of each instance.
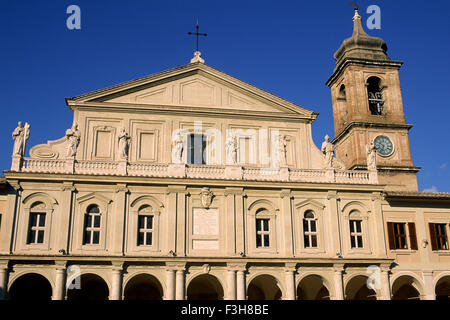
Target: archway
(31, 286)
(312, 287)
(442, 289)
(93, 287)
(264, 287)
(405, 288)
(143, 287)
(205, 287)
(356, 289)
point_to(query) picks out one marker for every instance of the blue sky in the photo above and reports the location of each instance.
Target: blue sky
(285, 47)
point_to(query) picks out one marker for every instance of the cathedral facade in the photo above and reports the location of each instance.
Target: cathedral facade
(192, 184)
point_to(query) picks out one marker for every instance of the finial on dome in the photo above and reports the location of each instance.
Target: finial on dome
(197, 57)
(356, 16)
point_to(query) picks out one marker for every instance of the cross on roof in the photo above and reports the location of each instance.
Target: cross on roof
(197, 33)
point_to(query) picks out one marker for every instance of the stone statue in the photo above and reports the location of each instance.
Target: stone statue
(124, 139)
(20, 136)
(282, 151)
(232, 149)
(73, 140)
(328, 150)
(371, 157)
(177, 149)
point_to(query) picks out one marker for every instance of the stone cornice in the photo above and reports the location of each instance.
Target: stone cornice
(191, 111)
(191, 68)
(182, 261)
(364, 62)
(360, 124)
(130, 180)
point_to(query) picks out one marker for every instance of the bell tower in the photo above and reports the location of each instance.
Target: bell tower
(367, 106)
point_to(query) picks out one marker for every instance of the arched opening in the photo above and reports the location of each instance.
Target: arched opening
(312, 288)
(30, 287)
(205, 287)
(143, 287)
(342, 103)
(264, 287)
(92, 287)
(357, 289)
(375, 95)
(443, 288)
(405, 288)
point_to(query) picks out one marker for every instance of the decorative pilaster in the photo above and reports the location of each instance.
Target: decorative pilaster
(338, 283)
(180, 284)
(428, 285)
(286, 217)
(290, 271)
(385, 285)
(3, 279)
(116, 287)
(118, 219)
(170, 281)
(60, 281)
(241, 293)
(231, 284)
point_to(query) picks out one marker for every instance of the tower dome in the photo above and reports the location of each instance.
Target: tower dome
(360, 45)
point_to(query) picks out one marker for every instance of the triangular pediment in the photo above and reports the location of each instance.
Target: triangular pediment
(193, 85)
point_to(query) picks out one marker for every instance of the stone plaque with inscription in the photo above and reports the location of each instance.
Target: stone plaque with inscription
(205, 222)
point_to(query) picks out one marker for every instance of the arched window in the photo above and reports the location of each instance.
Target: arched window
(309, 230)
(375, 95)
(36, 225)
(92, 225)
(145, 226)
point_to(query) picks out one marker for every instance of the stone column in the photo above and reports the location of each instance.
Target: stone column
(384, 283)
(180, 294)
(241, 285)
(231, 285)
(170, 280)
(3, 279)
(290, 283)
(116, 287)
(338, 284)
(60, 282)
(430, 293)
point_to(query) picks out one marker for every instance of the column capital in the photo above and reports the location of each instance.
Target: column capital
(233, 191)
(68, 186)
(175, 266)
(4, 264)
(339, 267)
(332, 194)
(427, 273)
(117, 265)
(122, 187)
(176, 189)
(235, 266)
(285, 193)
(61, 265)
(290, 267)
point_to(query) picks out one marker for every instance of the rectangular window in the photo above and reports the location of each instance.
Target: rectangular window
(438, 234)
(92, 228)
(36, 228)
(145, 230)
(310, 233)
(262, 233)
(196, 146)
(356, 236)
(400, 236)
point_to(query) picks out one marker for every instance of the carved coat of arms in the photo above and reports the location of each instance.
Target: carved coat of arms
(206, 197)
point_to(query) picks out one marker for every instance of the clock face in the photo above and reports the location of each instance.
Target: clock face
(383, 145)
